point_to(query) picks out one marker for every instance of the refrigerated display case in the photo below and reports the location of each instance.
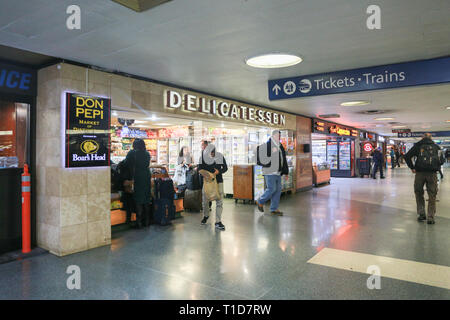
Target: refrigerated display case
(341, 153)
(258, 182)
(332, 154)
(163, 151)
(173, 154)
(319, 152)
(240, 155)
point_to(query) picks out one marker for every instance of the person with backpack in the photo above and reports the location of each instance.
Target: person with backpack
(378, 163)
(272, 157)
(137, 163)
(215, 163)
(428, 161)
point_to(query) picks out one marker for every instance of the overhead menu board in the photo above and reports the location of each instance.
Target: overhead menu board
(87, 133)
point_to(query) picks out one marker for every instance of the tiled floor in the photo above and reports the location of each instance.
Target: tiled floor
(258, 256)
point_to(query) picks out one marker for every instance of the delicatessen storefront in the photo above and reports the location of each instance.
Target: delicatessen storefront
(186, 119)
(87, 121)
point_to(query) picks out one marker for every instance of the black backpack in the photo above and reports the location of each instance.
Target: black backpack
(428, 158)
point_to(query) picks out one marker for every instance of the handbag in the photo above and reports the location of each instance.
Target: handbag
(128, 185)
(210, 186)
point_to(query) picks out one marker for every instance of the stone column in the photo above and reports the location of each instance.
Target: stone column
(73, 205)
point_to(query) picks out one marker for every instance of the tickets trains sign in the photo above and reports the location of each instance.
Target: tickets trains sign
(398, 75)
(87, 131)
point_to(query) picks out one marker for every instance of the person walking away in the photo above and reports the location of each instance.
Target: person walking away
(138, 162)
(393, 159)
(272, 157)
(442, 157)
(215, 163)
(427, 163)
(378, 163)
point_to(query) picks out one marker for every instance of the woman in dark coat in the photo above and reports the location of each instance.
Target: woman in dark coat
(138, 162)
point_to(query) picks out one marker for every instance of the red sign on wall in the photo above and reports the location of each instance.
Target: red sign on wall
(368, 147)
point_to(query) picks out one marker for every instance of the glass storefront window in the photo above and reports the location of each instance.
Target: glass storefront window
(14, 134)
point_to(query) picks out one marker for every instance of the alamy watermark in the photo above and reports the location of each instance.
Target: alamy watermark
(73, 21)
(74, 280)
(374, 20)
(374, 281)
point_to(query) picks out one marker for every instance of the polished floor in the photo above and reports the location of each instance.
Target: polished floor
(320, 249)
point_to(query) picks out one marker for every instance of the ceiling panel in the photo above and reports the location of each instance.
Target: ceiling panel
(203, 45)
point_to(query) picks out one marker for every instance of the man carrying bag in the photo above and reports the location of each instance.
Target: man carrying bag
(212, 165)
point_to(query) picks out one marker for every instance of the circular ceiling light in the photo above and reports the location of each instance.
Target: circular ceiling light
(383, 119)
(356, 103)
(273, 60)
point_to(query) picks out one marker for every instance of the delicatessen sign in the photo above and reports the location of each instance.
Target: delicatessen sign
(222, 109)
(87, 131)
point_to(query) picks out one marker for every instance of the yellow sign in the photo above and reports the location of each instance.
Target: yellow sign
(89, 146)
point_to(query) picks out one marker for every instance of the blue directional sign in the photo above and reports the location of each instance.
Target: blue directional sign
(420, 134)
(398, 75)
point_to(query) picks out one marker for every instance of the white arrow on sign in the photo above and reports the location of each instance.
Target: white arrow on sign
(276, 88)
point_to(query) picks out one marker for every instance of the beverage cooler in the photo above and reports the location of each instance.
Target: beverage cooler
(341, 157)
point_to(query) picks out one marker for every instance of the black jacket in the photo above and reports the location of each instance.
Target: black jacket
(219, 163)
(282, 164)
(415, 152)
(378, 157)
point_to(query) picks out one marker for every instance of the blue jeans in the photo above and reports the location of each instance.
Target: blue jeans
(272, 192)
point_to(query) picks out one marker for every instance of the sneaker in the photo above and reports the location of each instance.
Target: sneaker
(421, 217)
(383, 178)
(205, 219)
(277, 213)
(430, 221)
(220, 226)
(260, 206)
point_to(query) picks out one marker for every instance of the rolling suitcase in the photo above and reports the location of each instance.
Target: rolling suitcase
(193, 180)
(193, 200)
(164, 211)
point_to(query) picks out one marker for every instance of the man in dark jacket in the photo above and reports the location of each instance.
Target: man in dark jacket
(272, 157)
(427, 163)
(214, 162)
(378, 163)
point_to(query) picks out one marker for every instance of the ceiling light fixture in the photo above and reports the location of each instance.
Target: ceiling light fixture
(273, 60)
(383, 119)
(398, 127)
(356, 103)
(448, 108)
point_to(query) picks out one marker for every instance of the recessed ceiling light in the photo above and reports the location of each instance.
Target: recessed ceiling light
(448, 108)
(163, 124)
(356, 103)
(383, 119)
(397, 127)
(273, 60)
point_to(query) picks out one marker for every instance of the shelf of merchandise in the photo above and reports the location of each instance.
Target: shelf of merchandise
(173, 154)
(152, 147)
(163, 151)
(319, 151)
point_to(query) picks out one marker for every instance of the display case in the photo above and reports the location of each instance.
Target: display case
(321, 174)
(163, 151)
(258, 182)
(332, 154)
(174, 151)
(240, 154)
(319, 152)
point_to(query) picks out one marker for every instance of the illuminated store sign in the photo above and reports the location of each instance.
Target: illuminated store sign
(196, 104)
(331, 128)
(17, 80)
(87, 131)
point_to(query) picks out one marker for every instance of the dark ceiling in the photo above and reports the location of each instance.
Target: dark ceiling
(24, 57)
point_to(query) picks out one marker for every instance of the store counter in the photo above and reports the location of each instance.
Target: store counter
(321, 174)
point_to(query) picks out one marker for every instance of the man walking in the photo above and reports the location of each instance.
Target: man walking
(427, 163)
(272, 157)
(213, 162)
(378, 163)
(393, 158)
